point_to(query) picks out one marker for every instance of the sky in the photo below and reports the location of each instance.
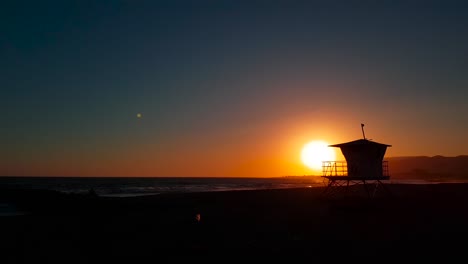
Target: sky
(225, 88)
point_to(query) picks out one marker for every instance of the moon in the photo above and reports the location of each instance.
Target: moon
(139, 115)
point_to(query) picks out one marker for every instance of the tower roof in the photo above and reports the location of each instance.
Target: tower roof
(359, 142)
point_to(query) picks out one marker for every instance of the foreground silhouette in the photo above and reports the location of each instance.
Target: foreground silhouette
(420, 220)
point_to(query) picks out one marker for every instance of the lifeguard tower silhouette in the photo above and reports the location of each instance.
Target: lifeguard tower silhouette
(364, 165)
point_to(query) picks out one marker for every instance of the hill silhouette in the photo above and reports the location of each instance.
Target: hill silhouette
(437, 168)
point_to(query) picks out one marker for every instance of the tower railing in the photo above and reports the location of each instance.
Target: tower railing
(334, 168)
(385, 171)
(340, 168)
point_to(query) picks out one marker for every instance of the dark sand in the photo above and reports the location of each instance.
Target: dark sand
(419, 222)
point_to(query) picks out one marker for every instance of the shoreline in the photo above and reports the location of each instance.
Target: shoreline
(316, 183)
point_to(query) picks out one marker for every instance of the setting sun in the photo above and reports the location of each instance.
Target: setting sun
(315, 152)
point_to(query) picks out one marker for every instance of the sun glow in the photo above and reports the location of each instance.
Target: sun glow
(314, 152)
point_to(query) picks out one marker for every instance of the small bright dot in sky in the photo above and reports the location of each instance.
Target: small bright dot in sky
(139, 115)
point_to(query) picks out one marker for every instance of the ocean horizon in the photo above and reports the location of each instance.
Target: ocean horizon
(138, 186)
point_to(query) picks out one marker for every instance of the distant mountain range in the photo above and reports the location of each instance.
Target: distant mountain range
(429, 168)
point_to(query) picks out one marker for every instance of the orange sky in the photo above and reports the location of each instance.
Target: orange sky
(267, 149)
(226, 89)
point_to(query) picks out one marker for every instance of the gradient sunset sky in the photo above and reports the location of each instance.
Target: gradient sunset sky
(225, 88)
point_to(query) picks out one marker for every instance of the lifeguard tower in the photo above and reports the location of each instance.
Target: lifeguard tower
(364, 165)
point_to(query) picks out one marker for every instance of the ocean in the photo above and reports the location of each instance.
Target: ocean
(136, 186)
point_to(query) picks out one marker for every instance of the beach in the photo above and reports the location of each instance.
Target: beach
(421, 221)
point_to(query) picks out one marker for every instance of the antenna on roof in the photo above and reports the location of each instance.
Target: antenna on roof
(362, 128)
